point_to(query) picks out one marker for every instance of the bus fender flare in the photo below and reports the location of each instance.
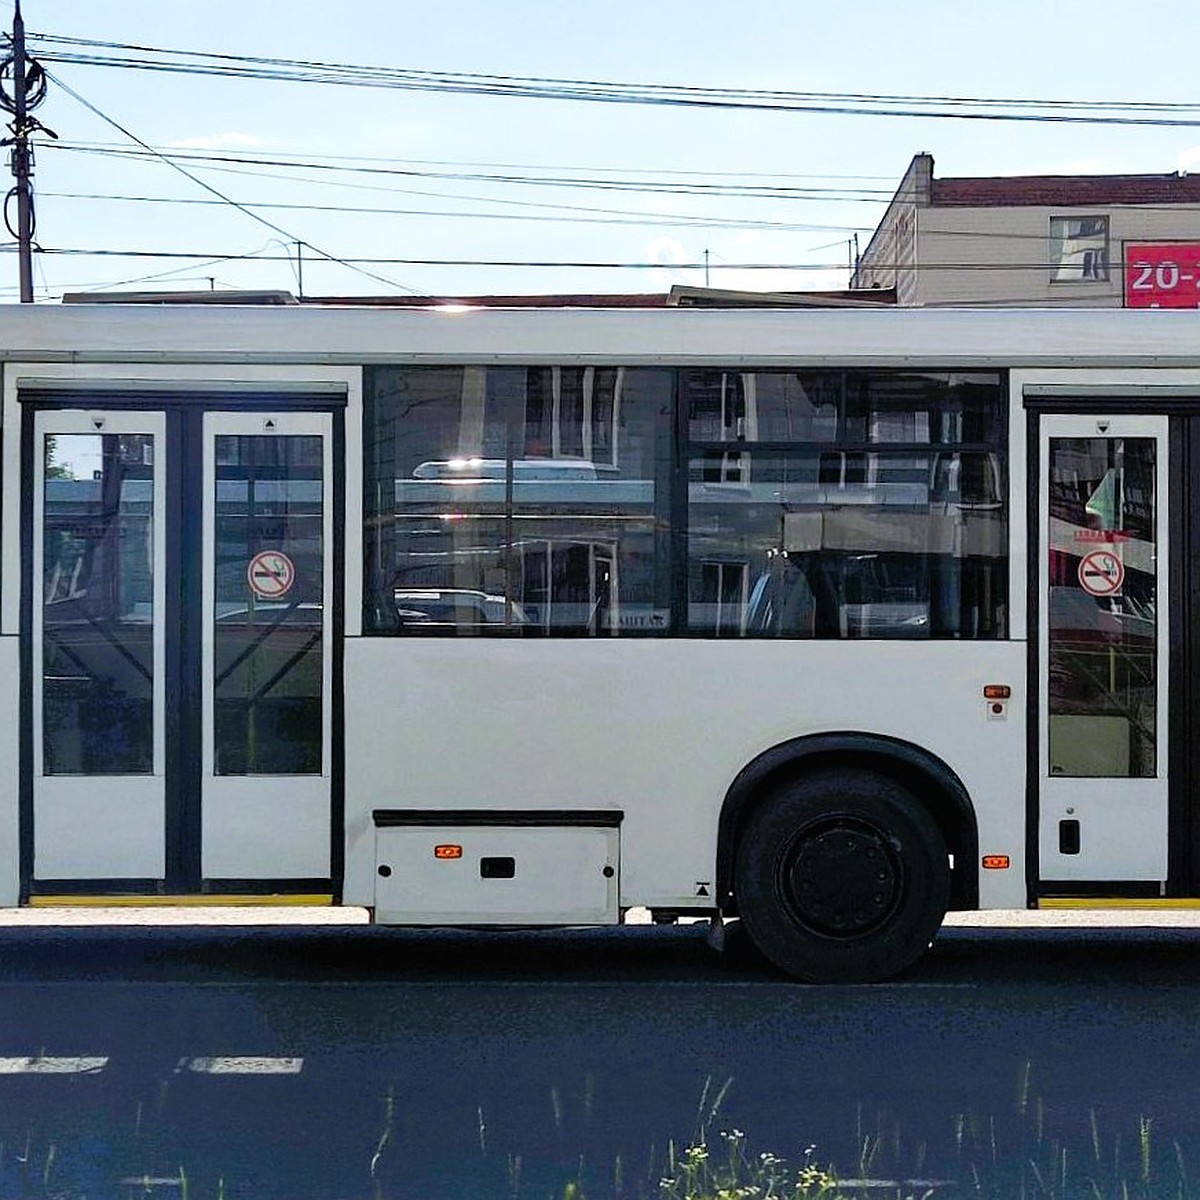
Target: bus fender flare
(930, 780)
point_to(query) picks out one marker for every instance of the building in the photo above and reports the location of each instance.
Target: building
(1080, 240)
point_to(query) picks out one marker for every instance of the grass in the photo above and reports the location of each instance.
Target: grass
(1028, 1152)
(1023, 1155)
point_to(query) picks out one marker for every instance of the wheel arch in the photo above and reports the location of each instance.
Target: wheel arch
(927, 777)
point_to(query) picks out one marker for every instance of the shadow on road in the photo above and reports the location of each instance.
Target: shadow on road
(647, 954)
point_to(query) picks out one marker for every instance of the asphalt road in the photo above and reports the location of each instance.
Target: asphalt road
(330, 1062)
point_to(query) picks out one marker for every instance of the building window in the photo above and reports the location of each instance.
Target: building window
(1078, 249)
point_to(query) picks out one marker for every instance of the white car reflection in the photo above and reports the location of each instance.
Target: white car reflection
(438, 608)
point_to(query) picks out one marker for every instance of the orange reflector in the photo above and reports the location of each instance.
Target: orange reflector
(995, 862)
(996, 691)
(447, 850)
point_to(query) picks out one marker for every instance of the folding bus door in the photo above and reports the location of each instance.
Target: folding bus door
(1103, 652)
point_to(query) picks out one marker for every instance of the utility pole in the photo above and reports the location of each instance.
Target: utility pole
(22, 158)
(28, 91)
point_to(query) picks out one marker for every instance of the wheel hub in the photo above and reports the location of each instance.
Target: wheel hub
(843, 880)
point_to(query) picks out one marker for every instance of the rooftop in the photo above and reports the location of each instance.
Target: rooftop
(1064, 190)
(680, 296)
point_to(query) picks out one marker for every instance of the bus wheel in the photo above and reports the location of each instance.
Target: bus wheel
(841, 877)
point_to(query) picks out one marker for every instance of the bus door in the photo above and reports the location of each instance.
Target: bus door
(1102, 653)
(179, 673)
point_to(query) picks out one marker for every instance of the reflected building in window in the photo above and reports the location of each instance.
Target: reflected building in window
(695, 502)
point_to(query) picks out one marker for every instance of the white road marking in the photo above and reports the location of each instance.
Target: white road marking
(242, 1065)
(48, 1065)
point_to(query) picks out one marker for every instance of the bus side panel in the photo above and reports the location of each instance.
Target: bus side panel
(659, 729)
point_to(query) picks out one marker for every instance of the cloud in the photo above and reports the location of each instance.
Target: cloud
(218, 141)
(670, 254)
(1188, 160)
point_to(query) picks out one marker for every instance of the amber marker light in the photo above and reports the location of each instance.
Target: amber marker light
(447, 850)
(995, 862)
(996, 691)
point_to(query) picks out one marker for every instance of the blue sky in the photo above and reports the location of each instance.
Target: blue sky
(1068, 51)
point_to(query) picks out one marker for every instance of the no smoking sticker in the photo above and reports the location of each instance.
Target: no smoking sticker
(271, 574)
(1101, 573)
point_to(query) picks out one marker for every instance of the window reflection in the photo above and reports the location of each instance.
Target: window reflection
(518, 500)
(268, 618)
(1102, 607)
(851, 546)
(98, 604)
(565, 500)
(841, 407)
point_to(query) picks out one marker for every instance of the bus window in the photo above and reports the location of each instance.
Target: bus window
(518, 501)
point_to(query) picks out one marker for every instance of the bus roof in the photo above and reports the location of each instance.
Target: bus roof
(966, 338)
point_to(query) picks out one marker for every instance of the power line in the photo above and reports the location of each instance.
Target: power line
(173, 273)
(582, 169)
(628, 219)
(441, 214)
(653, 187)
(595, 264)
(290, 157)
(692, 184)
(380, 260)
(220, 195)
(187, 62)
(504, 202)
(225, 163)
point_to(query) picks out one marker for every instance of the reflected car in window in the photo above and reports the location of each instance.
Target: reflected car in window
(439, 609)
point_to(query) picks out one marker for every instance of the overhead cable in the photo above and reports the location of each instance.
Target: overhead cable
(190, 62)
(220, 195)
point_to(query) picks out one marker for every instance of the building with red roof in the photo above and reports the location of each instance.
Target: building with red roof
(1045, 240)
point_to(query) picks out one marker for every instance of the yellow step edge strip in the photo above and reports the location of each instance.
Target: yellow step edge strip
(198, 901)
(1117, 902)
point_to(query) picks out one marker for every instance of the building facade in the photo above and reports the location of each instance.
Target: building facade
(1076, 240)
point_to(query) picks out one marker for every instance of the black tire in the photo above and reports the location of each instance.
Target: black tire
(841, 877)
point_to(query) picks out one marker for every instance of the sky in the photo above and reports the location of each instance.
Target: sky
(409, 149)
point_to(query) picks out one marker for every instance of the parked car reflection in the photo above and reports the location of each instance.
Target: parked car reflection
(438, 609)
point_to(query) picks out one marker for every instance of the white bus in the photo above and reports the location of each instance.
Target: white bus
(827, 620)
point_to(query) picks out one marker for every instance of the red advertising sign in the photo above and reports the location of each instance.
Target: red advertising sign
(1162, 274)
